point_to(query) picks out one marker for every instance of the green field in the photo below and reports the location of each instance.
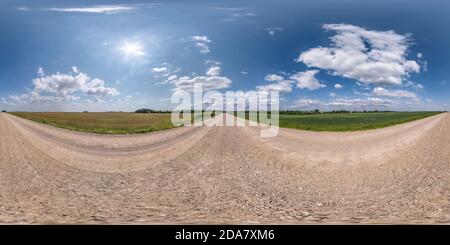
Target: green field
(349, 121)
(103, 122)
(339, 122)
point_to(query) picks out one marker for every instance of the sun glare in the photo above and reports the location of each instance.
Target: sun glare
(132, 50)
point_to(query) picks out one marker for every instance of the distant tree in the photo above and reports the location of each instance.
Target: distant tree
(3, 110)
(145, 110)
(85, 111)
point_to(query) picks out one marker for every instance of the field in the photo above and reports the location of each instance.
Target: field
(102, 122)
(349, 121)
(131, 123)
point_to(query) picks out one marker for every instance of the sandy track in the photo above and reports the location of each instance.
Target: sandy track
(225, 175)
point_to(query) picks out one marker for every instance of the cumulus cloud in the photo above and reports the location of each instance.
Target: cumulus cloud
(273, 78)
(172, 77)
(214, 71)
(59, 87)
(40, 71)
(97, 87)
(379, 91)
(159, 69)
(201, 42)
(167, 71)
(203, 48)
(63, 84)
(213, 62)
(201, 39)
(370, 102)
(303, 103)
(307, 80)
(34, 97)
(188, 84)
(280, 84)
(370, 57)
(416, 86)
(338, 86)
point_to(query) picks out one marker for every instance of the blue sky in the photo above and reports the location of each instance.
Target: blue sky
(124, 55)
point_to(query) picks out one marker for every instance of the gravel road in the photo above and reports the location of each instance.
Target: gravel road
(399, 174)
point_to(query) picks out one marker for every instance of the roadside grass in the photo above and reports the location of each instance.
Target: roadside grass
(340, 122)
(102, 122)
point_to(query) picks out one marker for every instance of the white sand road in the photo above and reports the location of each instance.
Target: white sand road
(225, 175)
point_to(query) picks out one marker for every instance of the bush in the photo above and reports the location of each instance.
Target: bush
(144, 110)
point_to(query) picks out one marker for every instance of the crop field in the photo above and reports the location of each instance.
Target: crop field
(102, 122)
(348, 121)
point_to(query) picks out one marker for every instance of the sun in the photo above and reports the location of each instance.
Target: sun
(132, 49)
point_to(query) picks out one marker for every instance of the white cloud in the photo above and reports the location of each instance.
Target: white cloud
(370, 102)
(280, 84)
(203, 48)
(167, 71)
(307, 80)
(332, 94)
(379, 91)
(371, 57)
(244, 73)
(273, 78)
(56, 88)
(338, 86)
(307, 103)
(201, 42)
(61, 84)
(97, 87)
(235, 13)
(24, 8)
(172, 77)
(5, 102)
(273, 30)
(159, 69)
(35, 97)
(187, 83)
(213, 62)
(201, 39)
(96, 9)
(40, 71)
(416, 86)
(214, 71)
(99, 9)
